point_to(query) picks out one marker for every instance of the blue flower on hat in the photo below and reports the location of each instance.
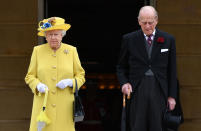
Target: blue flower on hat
(46, 25)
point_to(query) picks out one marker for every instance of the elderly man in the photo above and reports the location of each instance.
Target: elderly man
(147, 68)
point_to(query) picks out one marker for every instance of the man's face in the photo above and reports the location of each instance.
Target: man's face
(148, 23)
(54, 38)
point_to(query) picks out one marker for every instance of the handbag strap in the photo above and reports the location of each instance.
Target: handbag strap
(76, 88)
(45, 99)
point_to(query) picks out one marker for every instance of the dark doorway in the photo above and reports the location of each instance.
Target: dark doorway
(96, 30)
(97, 27)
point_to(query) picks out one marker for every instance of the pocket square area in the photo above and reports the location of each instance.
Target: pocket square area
(164, 50)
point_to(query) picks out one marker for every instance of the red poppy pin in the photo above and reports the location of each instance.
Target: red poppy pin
(160, 40)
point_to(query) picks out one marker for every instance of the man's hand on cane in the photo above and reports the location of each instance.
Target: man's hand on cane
(127, 89)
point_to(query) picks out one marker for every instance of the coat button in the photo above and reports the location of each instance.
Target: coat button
(53, 92)
(54, 55)
(53, 105)
(53, 78)
(149, 66)
(54, 67)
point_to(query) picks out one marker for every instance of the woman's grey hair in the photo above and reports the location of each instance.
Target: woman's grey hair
(148, 8)
(63, 32)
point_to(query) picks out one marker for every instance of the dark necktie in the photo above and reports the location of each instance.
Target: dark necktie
(149, 40)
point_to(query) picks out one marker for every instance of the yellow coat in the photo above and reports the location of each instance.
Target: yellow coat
(49, 67)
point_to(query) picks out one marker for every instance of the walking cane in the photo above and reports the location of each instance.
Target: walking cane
(123, 116)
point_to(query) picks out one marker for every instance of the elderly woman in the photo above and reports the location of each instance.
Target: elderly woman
(54, 66)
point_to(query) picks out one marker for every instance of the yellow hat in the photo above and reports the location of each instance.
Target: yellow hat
(53, 23)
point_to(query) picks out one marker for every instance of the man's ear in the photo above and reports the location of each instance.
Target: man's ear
(156, 21)
(139, 22)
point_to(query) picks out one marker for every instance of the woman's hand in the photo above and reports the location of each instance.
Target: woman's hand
(64, 83)
(41, 87)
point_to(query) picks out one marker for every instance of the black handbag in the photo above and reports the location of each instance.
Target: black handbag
(78, 110)
(171, 120)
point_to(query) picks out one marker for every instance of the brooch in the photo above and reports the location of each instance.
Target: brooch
(65, 51)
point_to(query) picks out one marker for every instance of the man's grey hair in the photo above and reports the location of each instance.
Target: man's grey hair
(63, 32)
(148, 8)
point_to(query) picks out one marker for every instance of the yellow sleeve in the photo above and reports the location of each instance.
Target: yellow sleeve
(31, 76)
(79, 73)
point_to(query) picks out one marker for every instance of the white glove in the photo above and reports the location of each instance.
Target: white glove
(64, 83)
(41, 87)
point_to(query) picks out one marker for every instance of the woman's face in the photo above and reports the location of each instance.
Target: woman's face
(54, 38)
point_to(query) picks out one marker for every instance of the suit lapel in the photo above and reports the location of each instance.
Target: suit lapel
(142, 45)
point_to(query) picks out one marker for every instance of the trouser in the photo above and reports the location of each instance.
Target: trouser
(146, 106)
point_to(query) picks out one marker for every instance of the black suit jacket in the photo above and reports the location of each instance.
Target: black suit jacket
(134, 62)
